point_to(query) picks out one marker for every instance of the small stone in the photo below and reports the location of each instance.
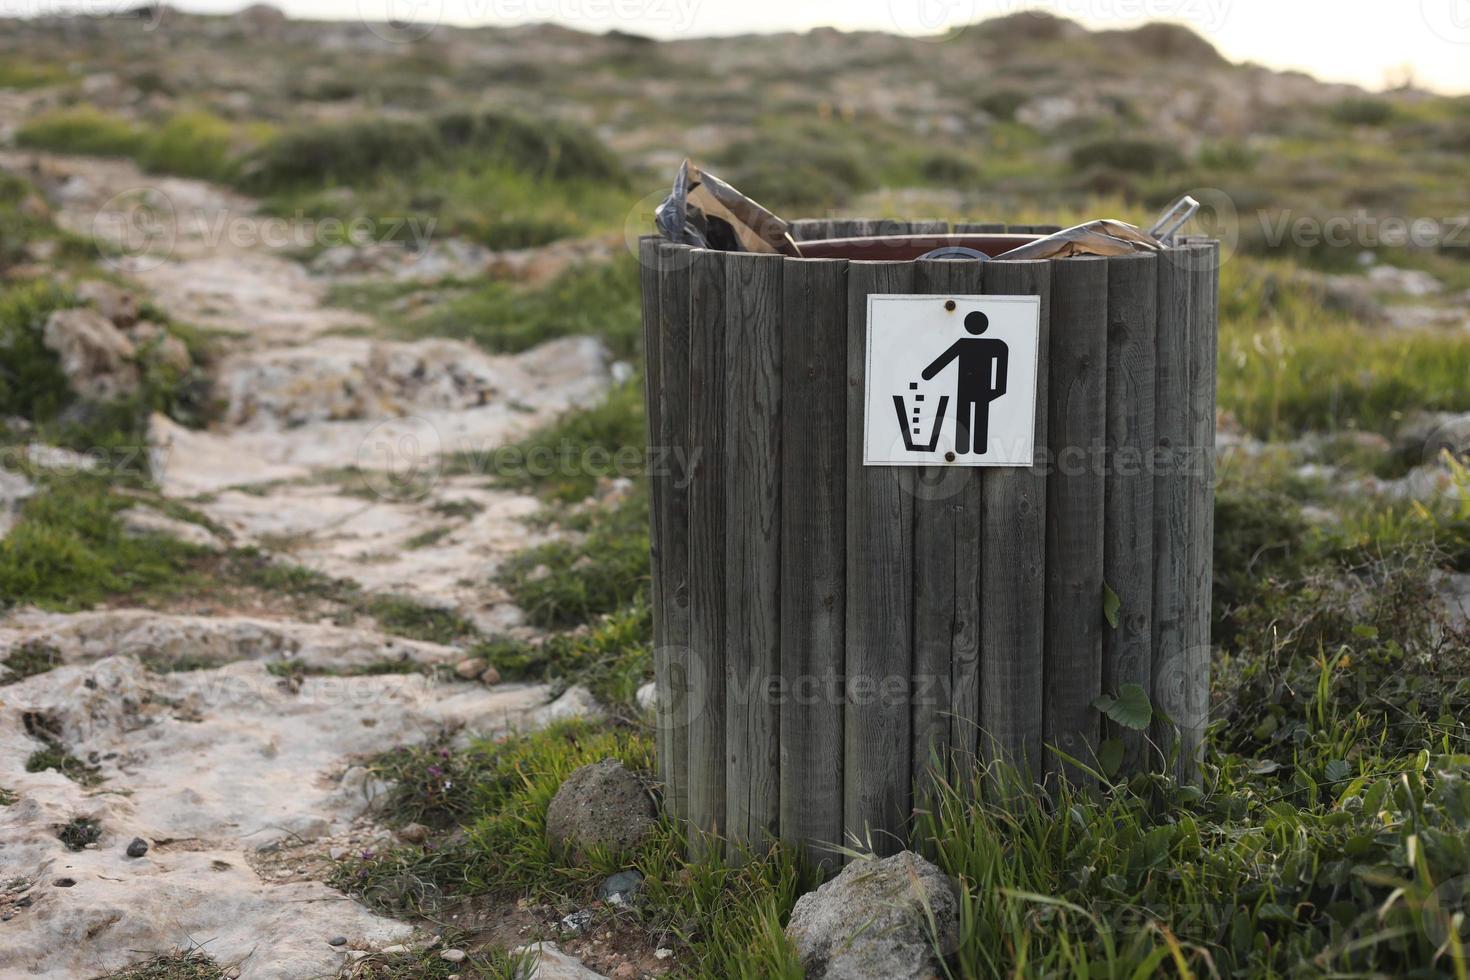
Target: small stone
(90, 847)
(647, 697)
(625, 971)
(414, 833)
(470, 668)
(620, 888)
(577, 922)
(397, 949)
(601, 805)
(662, 953)
(337, 853)
(451, 955)
(490, 677)
(137, 847)
(337, 941)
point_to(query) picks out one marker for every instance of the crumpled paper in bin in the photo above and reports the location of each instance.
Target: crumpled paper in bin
(1102, 237)
(704, 211)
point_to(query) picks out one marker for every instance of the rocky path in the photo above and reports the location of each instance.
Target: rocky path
(241, 783)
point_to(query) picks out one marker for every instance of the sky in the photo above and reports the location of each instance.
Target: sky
(1373, 43)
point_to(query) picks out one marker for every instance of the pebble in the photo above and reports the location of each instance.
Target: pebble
(490, 677)
(577, 922)
(619, 888)
(662, 953)
(337, 853)
(337, 941)
(469, 669)
(137, 847)
(414, 833)
(452, 955)
(395, 950)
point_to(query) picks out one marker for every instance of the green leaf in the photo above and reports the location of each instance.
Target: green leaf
(1338, 770)
(1112, 605)
(1110, 756)
(1131, 708)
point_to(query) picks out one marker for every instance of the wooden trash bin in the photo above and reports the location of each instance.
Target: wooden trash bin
(825, 632)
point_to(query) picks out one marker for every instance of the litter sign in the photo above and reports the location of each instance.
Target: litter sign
(951, 380)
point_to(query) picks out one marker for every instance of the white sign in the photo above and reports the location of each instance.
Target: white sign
(951, 380)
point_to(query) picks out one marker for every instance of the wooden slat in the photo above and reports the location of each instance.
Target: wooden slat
(810, 229)
(1128, 535)
(1203, 355)
(928, 227)
(753, 306)
(979, 228)
(649, 263)
(1171, 498)
(706, 706)
(876, 756)
(850, 227)
(946, 569)
(673, 409)
(1074, 544)
(813, 553)
(1013, 565)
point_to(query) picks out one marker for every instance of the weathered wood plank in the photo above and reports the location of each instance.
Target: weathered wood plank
(1203, 356)
(706, 706)
(1171, 498)
(813, 553)
(753, 344)
(811, 229)
(649, 263)
(673, 411)
(946, 569)
(979, 228)
(1013, 565)
(880, 509)
(1128, 535)
(1074, 544)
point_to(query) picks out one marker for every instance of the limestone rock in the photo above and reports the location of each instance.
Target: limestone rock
(116, 304)
(14, 489)
(602, 804)
(96, 357)
(553, 964)
(871, 922)
(140, 521)
(575, 702)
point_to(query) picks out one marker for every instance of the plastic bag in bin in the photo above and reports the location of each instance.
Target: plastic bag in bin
(704, 211)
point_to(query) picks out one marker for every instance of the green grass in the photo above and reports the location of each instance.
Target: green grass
(80, 832)
(68, 551)
(8, 797)
(601, 570)
(28, 660)
(24, 73)
(190, 143)
(55, 756)
(1289, 363)
(612, 657)
(565, 462)
(599, 299)
(192, 965)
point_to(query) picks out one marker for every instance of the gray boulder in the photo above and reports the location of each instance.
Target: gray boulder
(601, 805)
(873, 922)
